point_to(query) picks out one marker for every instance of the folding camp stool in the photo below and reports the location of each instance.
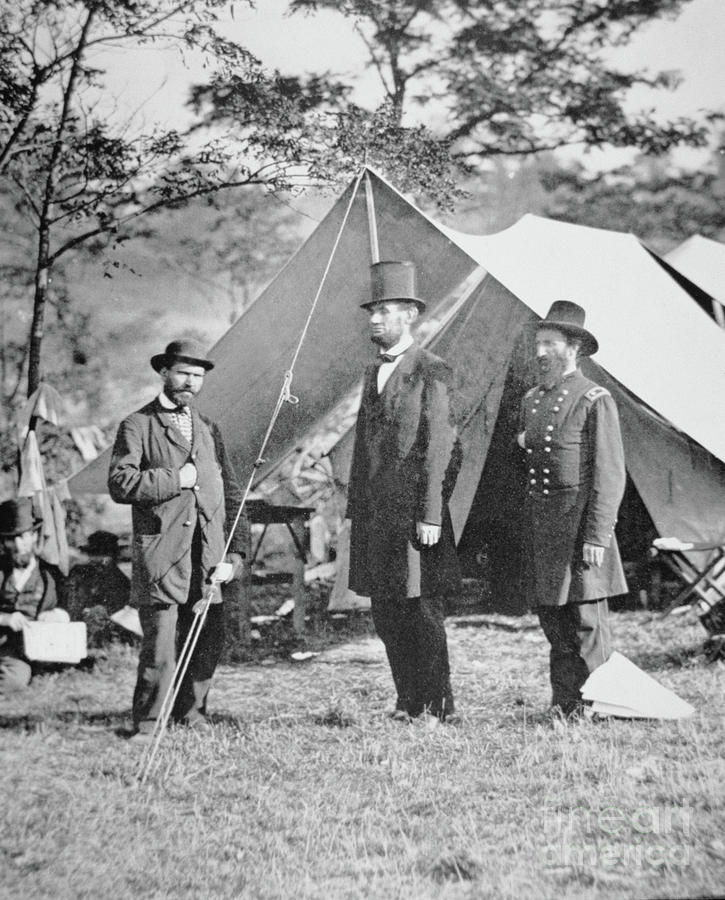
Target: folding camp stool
(703, 584)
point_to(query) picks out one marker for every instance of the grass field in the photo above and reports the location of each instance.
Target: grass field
(305, 789)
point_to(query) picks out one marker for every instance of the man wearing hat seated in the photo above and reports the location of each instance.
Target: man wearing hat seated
(97, 589)
(170, 464)
(30, 590)
(575, 482)
(404, 466)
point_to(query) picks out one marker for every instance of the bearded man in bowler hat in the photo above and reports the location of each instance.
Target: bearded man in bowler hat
(30, 590)
(404, 466)
(575, 482)
(170, 464)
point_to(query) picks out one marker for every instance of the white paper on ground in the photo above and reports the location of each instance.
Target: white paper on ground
(619, 688)
(128, 618)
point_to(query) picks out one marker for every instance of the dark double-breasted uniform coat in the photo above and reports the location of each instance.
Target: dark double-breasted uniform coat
(404, 466)
(575, 483)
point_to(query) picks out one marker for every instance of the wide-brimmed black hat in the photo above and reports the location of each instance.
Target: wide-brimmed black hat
(17, 517)
(568, 318)
(101, 543)
(394, 280)
(185, 350)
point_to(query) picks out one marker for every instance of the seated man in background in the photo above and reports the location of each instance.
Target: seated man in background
(97, 589)
(30, 589)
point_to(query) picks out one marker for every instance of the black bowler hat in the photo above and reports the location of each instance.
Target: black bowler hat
(101, 543)
(185, 350)
(568, 318)
(17, 517)
(394, 280)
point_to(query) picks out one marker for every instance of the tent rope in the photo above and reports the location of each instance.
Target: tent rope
(372, 219)
(285, 396)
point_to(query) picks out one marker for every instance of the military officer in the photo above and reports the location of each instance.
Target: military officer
(576, 478)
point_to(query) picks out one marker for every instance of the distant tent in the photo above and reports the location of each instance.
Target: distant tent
(657, 353)
(702, 261)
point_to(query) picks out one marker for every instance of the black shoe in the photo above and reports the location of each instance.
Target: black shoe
(197, 722)
(140, 738)
(567, 712)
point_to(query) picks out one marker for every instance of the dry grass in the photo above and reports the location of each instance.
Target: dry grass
(306, 790)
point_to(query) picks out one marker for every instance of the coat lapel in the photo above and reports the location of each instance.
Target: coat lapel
(402, 375)
(172, 432)
(196, 427)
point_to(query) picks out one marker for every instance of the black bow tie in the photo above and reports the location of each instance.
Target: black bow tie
(385, 358)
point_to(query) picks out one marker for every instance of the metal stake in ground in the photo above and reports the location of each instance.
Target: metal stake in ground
(285, 396)
(173, 690)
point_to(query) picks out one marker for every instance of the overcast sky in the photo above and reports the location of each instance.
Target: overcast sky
(158, 81)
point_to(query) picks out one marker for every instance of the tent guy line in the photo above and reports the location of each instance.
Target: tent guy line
(658, 350)
(201, 610)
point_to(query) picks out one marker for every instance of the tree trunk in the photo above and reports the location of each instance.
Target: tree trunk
(42, 277)
(44, 259)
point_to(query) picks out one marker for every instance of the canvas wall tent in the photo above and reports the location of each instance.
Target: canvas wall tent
(657, 353)
(702, 262)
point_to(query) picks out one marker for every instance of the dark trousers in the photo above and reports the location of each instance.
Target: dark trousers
(15, 673)
(580, 641)
(165, 629)
(414, 636)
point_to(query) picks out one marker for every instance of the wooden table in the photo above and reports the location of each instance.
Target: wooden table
(295, 518)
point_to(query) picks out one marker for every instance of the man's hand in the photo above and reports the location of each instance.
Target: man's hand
(15, 621)
(237, 563)
(428, 535)
(593, 555)
(213, 593)
(226, 571)
(187, 475)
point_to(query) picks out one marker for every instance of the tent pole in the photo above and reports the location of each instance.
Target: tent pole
(717, 311)
(285, 396)
(372, 224)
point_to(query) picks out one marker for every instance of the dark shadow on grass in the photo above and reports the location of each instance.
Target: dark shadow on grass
(331, 719)
(673, 658)
(30, 722)
(335, 719)
(234, 723)
(491, 621)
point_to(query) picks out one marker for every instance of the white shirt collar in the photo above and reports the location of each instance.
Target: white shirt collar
(403, 344)
(165, 402)
(22, 576)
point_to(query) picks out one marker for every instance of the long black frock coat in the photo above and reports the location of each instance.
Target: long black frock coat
(405, 462)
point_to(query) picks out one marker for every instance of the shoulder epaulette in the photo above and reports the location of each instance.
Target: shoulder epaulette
(596, 392)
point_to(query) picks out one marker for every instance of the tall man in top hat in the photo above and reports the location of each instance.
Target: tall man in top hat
(575, 483)
(170, 464)
(404, 466)
(30, 589)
